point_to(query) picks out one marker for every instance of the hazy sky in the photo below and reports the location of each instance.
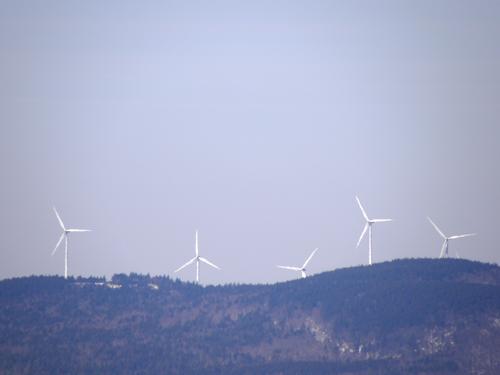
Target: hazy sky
(256, 123)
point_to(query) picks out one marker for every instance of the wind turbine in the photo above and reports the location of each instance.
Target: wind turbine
(368, 226)
(444, 248)
(197, 259)
(303, 268)
(64, 236)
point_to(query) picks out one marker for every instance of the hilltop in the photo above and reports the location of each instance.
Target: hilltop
(413, 316)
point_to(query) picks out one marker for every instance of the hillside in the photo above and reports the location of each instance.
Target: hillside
(421, 316)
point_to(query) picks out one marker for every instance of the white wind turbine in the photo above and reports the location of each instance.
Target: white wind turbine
(303, 268)
(368, 226)
(65, 235)
(197, 259)
(444, 248)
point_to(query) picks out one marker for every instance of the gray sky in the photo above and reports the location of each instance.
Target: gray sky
(256, 123)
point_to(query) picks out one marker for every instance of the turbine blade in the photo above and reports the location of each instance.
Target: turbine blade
(209, 263)
(290, 268)
(59, 219)
(462, 236)
(380, 220)
(436, 227)
(362, 234)
(441, 254)
(58, 243)
(185, 265)
(362, 209)
(303, 273)
(79, 230)
(196, 245)
(310, 257)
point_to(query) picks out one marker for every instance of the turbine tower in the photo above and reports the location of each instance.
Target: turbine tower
(197, 259)
(368, 226)
(444, 248)
(303, 268)
(65, 235)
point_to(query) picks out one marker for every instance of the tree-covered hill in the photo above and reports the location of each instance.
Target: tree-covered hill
(418, 316)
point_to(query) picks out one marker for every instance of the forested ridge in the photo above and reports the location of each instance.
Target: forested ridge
(415, 316)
